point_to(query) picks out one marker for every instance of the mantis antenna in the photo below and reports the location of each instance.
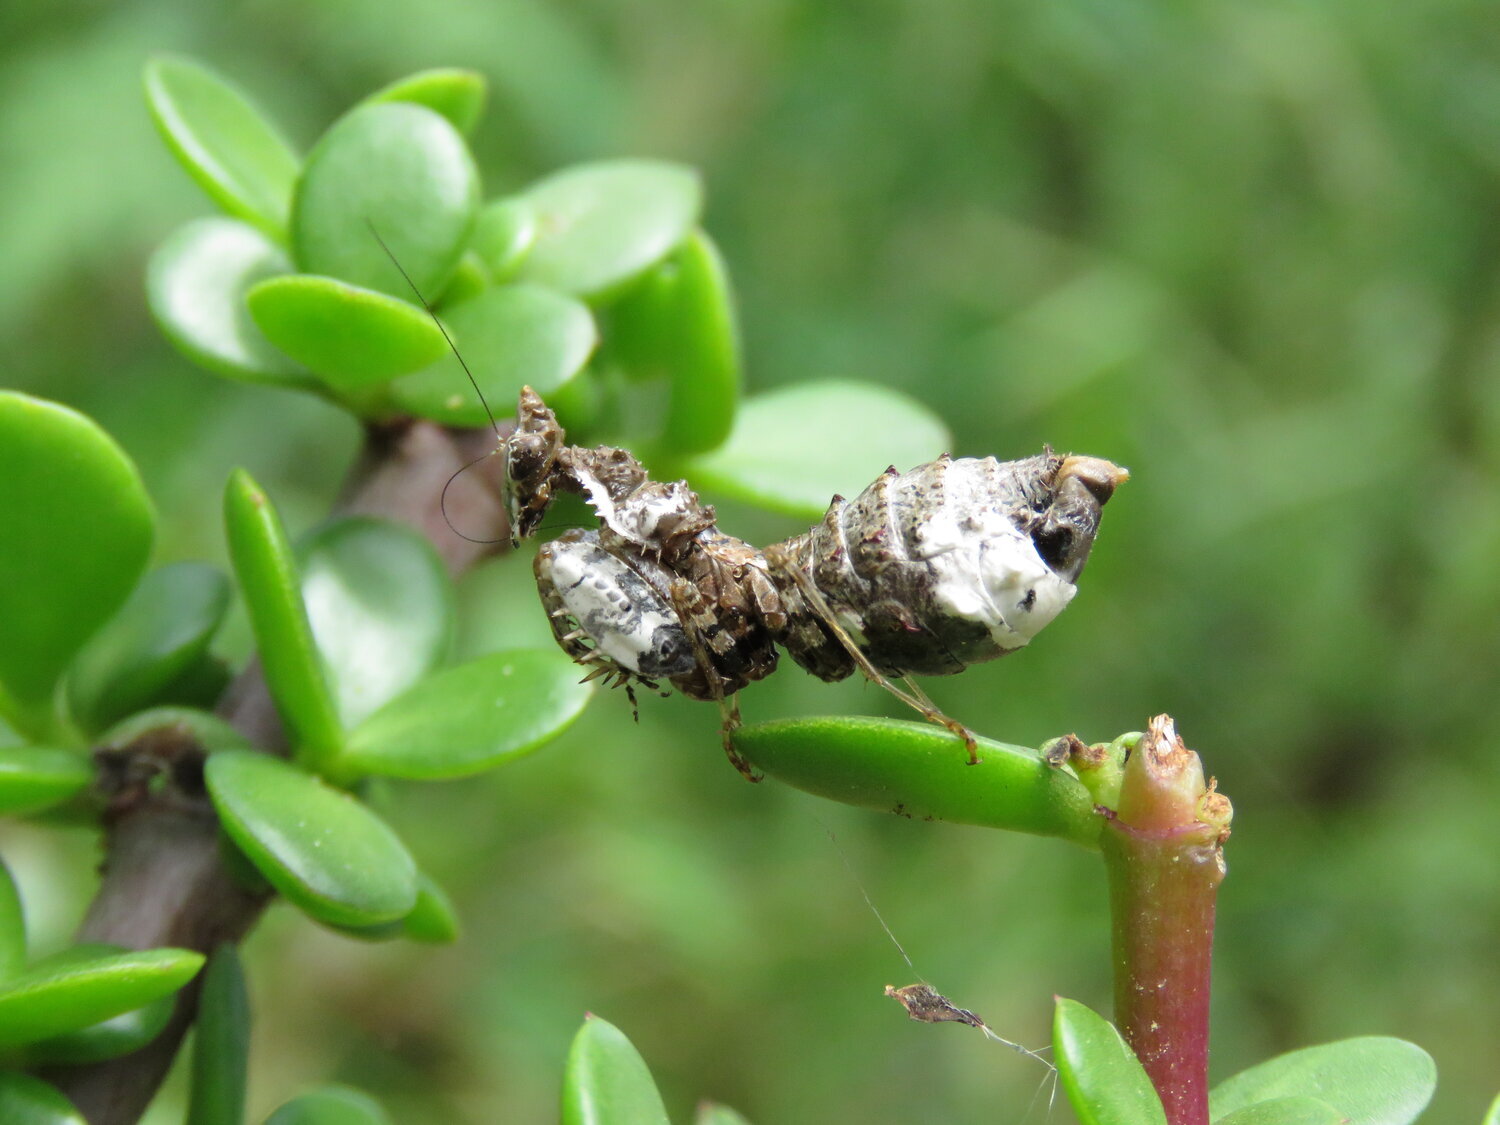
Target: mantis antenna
(499, 439)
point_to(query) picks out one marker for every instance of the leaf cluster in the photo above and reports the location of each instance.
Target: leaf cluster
(344, 274)
(596, 285)
(1371, 1080)
(589, 285)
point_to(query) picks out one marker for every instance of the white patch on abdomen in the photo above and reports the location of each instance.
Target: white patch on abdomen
(611, 603)
(985, 569)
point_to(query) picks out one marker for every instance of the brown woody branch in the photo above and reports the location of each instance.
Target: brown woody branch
(164, 882)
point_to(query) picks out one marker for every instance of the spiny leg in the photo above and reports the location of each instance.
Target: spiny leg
(601, 667)
(935, 714)
(916, 699)
(729, 722)
(729, 706)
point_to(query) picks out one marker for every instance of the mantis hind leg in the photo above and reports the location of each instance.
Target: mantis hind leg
(913, 696)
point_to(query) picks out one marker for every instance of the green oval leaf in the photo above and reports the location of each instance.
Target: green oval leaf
(196, 284)
(510, 336)
(1372, 1080)
(73, 497)
(129, 1031)
(602, 225)
(202, 684)
(25, 1100)
(381, 607)
(606, 1082)
(1285, 1111)
(793, 448)
(385, 931)
(38, 777)
(267, 575)
(86, 985)
(469, 280)
(457, 95)
(221, 1043)
(470, 718)
(433, 920)
(323, 850)
(158, 635)
(330, 1105)
(245, 875)
(205, 728)
(1104, 1081)
(710, 1113)
(401, 169)
(235, 155)
(503, 236)
(350, 337)
(12, 927)
(678, 323)
(920, 770)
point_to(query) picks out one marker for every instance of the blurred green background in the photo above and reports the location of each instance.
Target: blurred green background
(1248, 250)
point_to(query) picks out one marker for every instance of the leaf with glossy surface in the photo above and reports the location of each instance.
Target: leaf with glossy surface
(267, 574)
(470, 718)
(470, 279)
(457, 95)
(401, 169)
(1492, 1115)
(381, 608)
(1285, 1111)
(202, 685)
(86, 985)
(129, 1031)
(12, 927)
(238, 157)
(600, 226)
(793, 448)
(1372, 1080)
(327, 853)
(606, 1082)
(503, 236)
(510, 336)
(385, 931)
(679, 323)
(433, 920)
(26, 1100)
(38, 777)
(920, 770)
(221, 1043)
(710, 1113)
(349, 337)
(76, 501)
(245, 875)
(1104, 1081)
(196, 285)
(330, 1105)
(160, 632)
(204, 728)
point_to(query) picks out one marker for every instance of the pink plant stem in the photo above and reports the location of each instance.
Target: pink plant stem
(1163, 852)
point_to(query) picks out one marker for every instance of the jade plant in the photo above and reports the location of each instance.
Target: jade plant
(351, 273)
